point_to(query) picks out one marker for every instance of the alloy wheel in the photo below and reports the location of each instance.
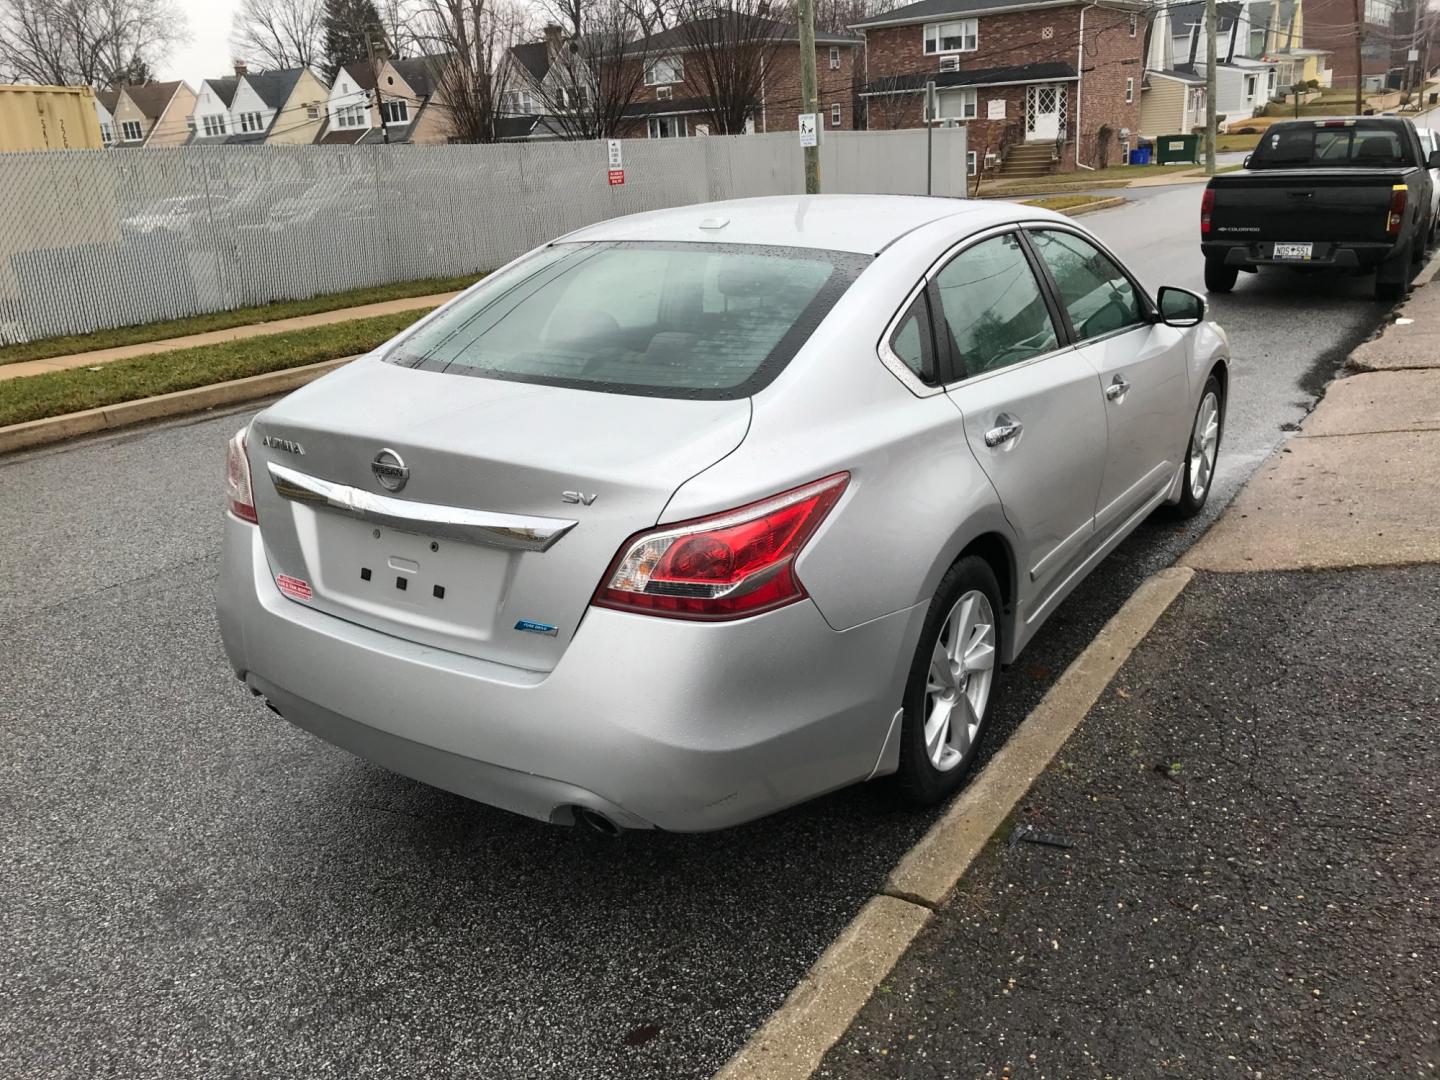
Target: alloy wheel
(1204, 444)
(957, 689)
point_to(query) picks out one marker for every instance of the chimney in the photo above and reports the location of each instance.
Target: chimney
(552, 37)
(240, 69)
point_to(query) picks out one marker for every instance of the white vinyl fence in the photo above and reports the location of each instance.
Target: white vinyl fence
(94, 239)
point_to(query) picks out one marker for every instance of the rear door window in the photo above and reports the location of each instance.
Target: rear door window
(679, 320)
(992, 306)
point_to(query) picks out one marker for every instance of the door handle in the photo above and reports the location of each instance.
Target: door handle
(1007, 429)
(1116, 390)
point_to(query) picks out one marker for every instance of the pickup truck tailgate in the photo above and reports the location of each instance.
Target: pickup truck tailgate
(1280, 204)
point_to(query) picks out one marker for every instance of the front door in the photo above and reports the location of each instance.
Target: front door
(1143, 373)
(1034, 415)
(1045, 105)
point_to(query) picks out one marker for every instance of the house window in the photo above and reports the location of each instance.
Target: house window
(312, 112)
(251, 121)
(351, 116)
(1129, 90)
(958, 104)
(1134, 23)
(834, 57)
(961, 35)
(213, 125)
(1250, 82)
(130, 130)
(663, 93)
(668, 127)
(107, 133)
(665, 69)
(970, 163)
(395, 112)
(518, 103)
(834, 115)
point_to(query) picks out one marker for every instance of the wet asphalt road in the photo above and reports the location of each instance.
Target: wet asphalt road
(1253, 888)
(194, 889)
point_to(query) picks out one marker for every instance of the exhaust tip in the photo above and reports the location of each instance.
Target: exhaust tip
(596, 821)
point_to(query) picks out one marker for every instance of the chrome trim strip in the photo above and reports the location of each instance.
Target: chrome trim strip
(516, 532)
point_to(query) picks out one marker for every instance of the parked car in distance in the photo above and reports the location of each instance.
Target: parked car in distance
(1430, 145)
(1353, 193)
(689, 516)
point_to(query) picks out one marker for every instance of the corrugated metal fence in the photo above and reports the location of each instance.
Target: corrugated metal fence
(94, 239)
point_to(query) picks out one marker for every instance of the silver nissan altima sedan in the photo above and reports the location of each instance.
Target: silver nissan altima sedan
(693, 515)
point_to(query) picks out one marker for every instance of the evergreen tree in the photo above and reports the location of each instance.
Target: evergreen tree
(347, 23)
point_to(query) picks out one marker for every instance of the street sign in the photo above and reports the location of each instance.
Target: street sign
(616, 170)
(809, 129)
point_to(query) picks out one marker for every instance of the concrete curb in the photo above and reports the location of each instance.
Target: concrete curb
(57, 428)
(1090, 208)
(792, 1042)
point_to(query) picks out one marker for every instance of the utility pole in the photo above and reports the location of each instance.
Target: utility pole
(1211, 121)
(810, 93)
(930, 111)
(1359, 57)
(375, 42)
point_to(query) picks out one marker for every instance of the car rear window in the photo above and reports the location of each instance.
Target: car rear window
(677, 320)
(1313, 146)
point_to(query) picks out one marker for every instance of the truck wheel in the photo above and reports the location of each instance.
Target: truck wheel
(1392, 277)
(1219, 277)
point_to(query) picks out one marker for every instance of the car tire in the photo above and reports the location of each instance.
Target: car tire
(1202, 451)
(1220, 278)
(1392, 278)
(966, 620)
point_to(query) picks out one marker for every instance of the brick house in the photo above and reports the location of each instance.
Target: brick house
(1054, 82)
(1330, 25)
(675, 99)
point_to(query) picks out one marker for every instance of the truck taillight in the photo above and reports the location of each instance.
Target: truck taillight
(239, 496)
(1207, 204)
(1399, 196)
(726, 566)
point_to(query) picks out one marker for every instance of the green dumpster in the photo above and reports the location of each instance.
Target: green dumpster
(1174, 149)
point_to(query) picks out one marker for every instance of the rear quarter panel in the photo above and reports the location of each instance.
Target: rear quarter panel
(916, 495)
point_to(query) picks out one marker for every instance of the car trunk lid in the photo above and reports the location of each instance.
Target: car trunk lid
(1344, 205)
(516, 498)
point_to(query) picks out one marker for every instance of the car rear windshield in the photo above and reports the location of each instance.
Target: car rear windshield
(1314, 146)
(669, 319)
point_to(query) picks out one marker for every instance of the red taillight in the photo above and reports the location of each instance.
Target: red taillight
(1399, 195)
(738, 563)
(1207, 204)
(239, 496)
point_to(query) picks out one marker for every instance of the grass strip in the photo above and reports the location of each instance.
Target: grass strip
(225, 320)
(1066, 202)
(60, 392)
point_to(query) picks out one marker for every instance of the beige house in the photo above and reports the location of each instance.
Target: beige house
(411, 102)
(156, 114)
(294, 104)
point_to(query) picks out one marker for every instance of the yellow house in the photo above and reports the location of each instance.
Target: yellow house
(156, 114)
(412, 102)
(1280, 27)
(49, 118)
(286, 106)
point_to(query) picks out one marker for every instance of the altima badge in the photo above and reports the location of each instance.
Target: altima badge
(389, 468)
(277, 443)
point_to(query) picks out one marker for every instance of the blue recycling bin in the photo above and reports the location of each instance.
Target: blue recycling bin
(1140, 155)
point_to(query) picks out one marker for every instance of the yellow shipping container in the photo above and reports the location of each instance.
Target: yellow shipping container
(48, 118)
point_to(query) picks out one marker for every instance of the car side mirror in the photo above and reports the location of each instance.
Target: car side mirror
(1433, 161)
(1180, 307)
(1246, 163)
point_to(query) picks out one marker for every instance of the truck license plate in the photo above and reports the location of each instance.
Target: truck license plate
(1293, 251)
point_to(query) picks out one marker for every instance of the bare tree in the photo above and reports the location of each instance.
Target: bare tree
(837, 16)
(279, 33)
(85, 42)
(468, 41)
(892, 101)
(597, 58)
(729, 51)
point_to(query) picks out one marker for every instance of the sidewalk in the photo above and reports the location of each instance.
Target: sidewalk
(1252, 886)
(214, 337)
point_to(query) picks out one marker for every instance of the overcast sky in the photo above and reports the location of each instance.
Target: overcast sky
(208, 52)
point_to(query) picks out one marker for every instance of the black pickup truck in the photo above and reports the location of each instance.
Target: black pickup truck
(1350, 193)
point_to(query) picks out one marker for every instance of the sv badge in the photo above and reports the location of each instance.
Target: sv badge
(578, 497)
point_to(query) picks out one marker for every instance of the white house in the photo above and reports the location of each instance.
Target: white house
(213, 122)
(348, 110)
(105, 102)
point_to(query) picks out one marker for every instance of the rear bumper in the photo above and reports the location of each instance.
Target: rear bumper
(651, 722)
(1327, 255)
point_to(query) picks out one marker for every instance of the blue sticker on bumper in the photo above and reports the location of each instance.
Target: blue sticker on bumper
(537, 628)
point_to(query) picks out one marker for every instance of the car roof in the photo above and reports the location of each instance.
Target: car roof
(865, 224)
